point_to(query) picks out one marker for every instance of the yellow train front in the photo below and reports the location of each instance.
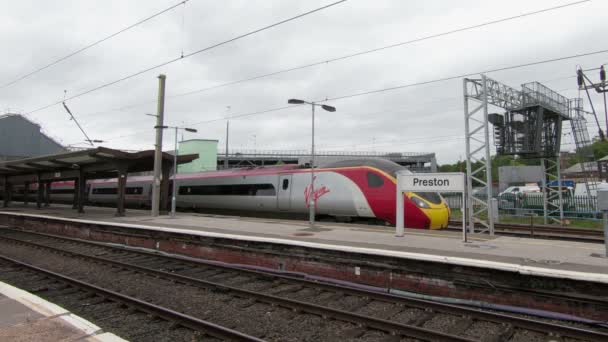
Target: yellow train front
(426, 210)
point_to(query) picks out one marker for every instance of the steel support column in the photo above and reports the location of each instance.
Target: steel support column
(82, 186)
(7, 192)
(76, 192)
(47, 194)
(40, 192)
(121, 188)
(477, 141)
(164, 187)
(552, 197)
(26, 193)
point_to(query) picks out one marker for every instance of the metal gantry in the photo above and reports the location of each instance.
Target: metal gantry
(477, 95)
(552, 197)
(530, 128)
(582, 141)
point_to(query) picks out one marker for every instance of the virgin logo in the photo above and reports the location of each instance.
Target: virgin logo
(318, 193)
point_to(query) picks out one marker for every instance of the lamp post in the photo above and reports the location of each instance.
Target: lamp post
(312, 201)
(173, 192)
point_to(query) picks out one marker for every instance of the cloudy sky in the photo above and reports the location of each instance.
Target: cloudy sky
(427, 118)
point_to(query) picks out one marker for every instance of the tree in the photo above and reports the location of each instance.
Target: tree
(600, 149)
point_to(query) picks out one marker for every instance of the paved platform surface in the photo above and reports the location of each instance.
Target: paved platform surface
(26, 317)
(545, 256)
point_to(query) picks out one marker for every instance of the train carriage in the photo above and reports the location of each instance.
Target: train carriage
(345, 190)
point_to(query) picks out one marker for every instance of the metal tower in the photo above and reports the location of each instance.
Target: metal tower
(530, 128)
(582, 141)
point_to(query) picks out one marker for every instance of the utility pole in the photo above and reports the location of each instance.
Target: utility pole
(174, 192)
(227, 134)
(158, 153)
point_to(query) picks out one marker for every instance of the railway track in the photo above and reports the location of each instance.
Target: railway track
(352, 313)
(541, 231)
(132, 317)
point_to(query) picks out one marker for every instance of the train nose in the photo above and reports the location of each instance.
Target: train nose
(431, 215)
(415, 216)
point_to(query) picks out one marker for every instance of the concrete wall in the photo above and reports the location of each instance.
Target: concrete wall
(20, 138)
(508, 175)
(207, 155)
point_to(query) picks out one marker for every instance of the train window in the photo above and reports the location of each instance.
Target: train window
(285, 184)
(229, 190)
(374, 180)
(105, 191)
(62, 191)
(137, 190)
(432, 197)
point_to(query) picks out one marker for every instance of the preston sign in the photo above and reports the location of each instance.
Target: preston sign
(434, 182)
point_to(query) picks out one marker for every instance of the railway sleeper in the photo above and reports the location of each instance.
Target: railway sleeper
(419, 322)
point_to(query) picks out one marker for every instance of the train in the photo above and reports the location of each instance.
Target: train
(349, 190)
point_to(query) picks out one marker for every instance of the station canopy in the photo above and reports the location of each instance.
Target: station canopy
(99, 162)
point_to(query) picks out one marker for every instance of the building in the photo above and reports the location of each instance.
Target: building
(416, 162)
(581, 171)
(206, 149)
(22, 138)
(518, 175)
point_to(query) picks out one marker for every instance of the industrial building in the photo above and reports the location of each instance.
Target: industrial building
(416, 162)
(210, 159)
(22, 138)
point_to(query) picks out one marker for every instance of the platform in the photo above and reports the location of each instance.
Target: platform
(551, 258)
(26, 317)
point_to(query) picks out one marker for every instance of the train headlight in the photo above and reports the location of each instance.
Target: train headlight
(420, 203)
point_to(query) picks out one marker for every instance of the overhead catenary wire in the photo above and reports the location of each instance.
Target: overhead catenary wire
(87, 139)
(463, 75)
(392, 110)
(241, 36)
(382, 90)
(356, 54)
(86, 47)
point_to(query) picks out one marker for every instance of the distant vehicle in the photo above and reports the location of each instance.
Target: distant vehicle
(514, 190)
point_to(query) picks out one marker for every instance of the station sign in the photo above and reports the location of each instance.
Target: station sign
(427, 182)
(431, 182)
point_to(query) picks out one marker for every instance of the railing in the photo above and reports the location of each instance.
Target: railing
(574, 206)
(303, 153)
(534, 93)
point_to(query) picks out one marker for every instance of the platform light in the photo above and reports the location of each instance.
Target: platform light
(328, 108)
(174, 194)
(312, 202)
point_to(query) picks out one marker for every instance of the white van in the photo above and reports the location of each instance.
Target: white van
(514, 190)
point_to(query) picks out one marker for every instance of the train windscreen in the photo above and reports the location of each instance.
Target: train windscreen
(432, 197)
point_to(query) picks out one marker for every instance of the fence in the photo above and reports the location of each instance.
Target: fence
(573, 206)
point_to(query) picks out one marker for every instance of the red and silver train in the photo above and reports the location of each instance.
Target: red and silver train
(346, 190)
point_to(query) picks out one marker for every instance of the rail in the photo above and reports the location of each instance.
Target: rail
(61, 245)
(170, 315)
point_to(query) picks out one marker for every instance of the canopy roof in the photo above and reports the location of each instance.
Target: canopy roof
(95, 160)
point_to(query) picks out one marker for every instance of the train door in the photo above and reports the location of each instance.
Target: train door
(284, 192)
